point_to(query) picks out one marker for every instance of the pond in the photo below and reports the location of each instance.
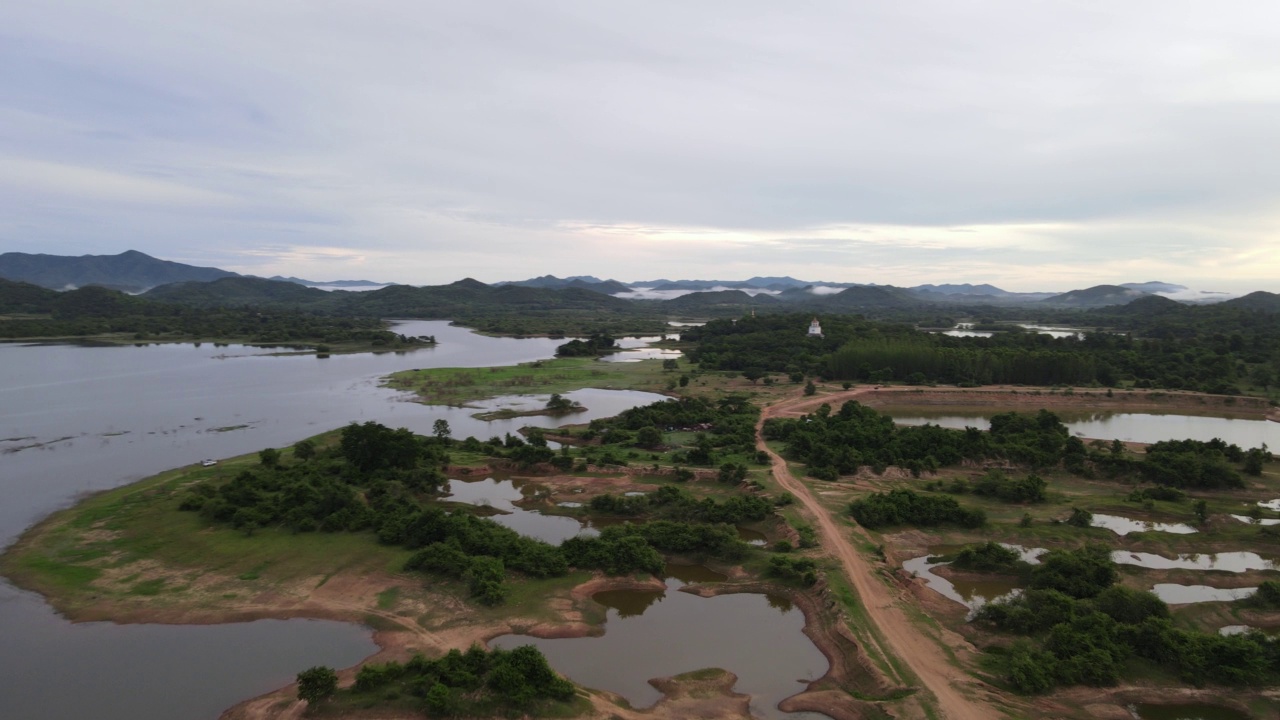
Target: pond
(1123, 525)
(1131, 427)
(80, 419)
(974, 592)
(651, 634)
(640, 348)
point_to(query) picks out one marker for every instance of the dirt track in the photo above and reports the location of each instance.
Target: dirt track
(904, 641)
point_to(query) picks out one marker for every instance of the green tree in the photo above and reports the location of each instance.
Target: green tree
(670, 364)
(810, 388)
(649, 437)
(440, 428)
(317, 683)
(304, 450)
(269, 457)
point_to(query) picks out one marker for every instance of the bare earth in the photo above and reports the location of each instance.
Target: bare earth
(882, 604)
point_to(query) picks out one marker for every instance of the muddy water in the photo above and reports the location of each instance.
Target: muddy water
(973, 594)
(1123, 525)
(655, 634)
(1242, 629)
(79, 419)
(1132, 427)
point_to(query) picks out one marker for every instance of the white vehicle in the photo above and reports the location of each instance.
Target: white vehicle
(208, 463)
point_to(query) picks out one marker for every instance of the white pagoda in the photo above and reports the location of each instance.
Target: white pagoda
(815, 329)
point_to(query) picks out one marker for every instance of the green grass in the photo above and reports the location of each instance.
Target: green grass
(388, 598)
(457, 386)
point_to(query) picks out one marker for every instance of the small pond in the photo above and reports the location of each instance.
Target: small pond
(1257, 521)
(651, 634)
(1132, 427)
(1123, 525)
(502, 495)
(1176, 594)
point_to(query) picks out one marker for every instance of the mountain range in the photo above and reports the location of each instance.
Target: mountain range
(135, 272)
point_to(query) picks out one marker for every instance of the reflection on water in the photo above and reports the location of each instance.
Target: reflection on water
(1257, 521)
(759, 638)
(693, 573)
(502, 495)
(975, 593)
(629, 603)
(1132, 427)
(1123, 525)
(1176, 594)
(79, 419)
(1235, 562)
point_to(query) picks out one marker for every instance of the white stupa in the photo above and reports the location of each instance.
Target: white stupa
(815, 330)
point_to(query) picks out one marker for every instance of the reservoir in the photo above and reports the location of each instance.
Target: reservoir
(79, 419)
(1130, 427)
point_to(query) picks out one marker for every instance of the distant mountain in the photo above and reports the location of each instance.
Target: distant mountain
(964, 289)
(130, 270)
(1148, 306)
(330, 283)
(717, 300)
(584, 282)
(1260, 300)
(1155, 286)
(1096, 296)
(237, 290)
(868, 297)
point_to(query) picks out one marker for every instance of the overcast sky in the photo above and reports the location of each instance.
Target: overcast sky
(1033, 145)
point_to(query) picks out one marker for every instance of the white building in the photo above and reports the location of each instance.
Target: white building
(815, 330)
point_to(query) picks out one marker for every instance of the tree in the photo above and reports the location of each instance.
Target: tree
(559, 404)
(810, 388)
(440, 428)
(1201, 509)
(670, 364)
(269, 457)
(304, 450)
(649, 437)
(753, 374)
(317, 683)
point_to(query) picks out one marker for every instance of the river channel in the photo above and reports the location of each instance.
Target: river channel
(79, 419)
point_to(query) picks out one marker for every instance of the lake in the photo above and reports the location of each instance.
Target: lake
(80, 419)
(1131, 427)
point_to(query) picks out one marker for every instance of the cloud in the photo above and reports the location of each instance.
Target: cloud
(1003, 141)
(93, 185)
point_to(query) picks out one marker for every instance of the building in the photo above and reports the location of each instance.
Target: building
(815, 329)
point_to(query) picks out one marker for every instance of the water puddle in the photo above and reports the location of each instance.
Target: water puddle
(1270, 504)
(640, 348)
(502, 495)
(1257, 521)
(1242, 629)
(1123, 525)
(651, 634)
(1132, 427)
(1235, 562)
(752, 537)
(1176, 594)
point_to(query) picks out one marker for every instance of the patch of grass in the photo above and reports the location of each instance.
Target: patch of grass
(456, 386)
(48, 572)
(148, 587)
(388, 598)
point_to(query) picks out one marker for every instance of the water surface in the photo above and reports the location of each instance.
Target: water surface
(1131, 427)
(655, 634)
(79, 419)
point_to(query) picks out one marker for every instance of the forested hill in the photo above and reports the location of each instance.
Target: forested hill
(130, 270)
(1217, 348)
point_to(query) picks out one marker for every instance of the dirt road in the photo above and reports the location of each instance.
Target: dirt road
(902, 638)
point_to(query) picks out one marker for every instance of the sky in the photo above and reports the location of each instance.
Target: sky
(1038, 146)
